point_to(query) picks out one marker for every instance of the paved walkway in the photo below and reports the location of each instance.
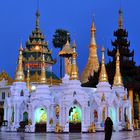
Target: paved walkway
(135, 135)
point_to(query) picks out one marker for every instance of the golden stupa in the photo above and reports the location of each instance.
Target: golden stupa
(74, 68)
(103, 74)
(118, 77)
(93, 62)
(19, 71)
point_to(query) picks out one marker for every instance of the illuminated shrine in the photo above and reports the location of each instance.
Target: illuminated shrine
(67, 106)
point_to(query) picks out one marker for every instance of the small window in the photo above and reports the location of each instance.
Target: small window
(21, 93)
(8, 94)
(3, 95)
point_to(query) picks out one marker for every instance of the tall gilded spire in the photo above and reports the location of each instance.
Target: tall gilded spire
(118, 77)
(28, 78)
(37, 19)
(43, 79)
(74, 69)
(103, 74)
(120, 19)
(93, 62)
(93, 31)
(19, 71)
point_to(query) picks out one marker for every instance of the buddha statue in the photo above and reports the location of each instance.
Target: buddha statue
(92, 128)
(75, 117)
(58, 128)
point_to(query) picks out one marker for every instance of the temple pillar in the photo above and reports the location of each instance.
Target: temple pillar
(9, 115)
(15, 112)
(117, 119)
(66, 128)
(5, 113)
(98, 124)
(51, 116)
(123, 118)
(16, 115)
(130, 93)
(48, 118)
(130, 117)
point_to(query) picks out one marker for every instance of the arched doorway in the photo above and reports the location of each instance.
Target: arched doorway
(25, 117)
(75, 118)
(1, 115)
(24, 122)
(40, 120)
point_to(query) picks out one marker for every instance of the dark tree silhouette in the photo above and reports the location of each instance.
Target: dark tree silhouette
(59, 40)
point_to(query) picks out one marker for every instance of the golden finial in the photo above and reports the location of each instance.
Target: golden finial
(74, 70)
(43, 79)
(19, 71)
(93, 41)
(93, 29)
(103, 74)
(118, 76)
(120, 19)
(28, 78)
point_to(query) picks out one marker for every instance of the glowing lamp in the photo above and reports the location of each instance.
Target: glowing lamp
(37, 48)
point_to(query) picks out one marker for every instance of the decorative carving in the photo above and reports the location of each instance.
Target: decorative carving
(125, 97)
(57, 111)
(5, 76)
(51, 121)
(103, 97)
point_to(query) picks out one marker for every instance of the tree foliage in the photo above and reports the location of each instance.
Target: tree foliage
(60, 38)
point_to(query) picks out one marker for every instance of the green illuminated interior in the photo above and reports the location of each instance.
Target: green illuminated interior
(40, 115)
(75, 114)
(25, 116)
(112, 115)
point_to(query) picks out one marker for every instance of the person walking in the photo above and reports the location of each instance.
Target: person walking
(108, 128)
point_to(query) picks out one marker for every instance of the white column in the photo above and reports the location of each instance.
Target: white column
(117, 119)
(130, 117)
(52, 116)
(66, 128)
(17, 116)
(15, 112)
(108, 111)
(48, 119)
(9, 115)
(123, 118)
(5, 113)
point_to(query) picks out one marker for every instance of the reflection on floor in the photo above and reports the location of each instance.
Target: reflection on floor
(129, 135)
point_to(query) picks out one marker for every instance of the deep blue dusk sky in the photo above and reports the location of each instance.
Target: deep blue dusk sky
(17, 19)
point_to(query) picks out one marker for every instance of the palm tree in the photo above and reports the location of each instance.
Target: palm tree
(59, 40)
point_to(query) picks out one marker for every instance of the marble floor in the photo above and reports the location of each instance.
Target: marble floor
(135, 135)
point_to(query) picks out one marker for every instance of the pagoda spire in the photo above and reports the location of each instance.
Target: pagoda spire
(118, 77)
(37, 19)
(19, 71)
(93, 31)
(120, 22)
(74, 70)
(103, 74)
(28, 78)
(93, 62)
(43, 79)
